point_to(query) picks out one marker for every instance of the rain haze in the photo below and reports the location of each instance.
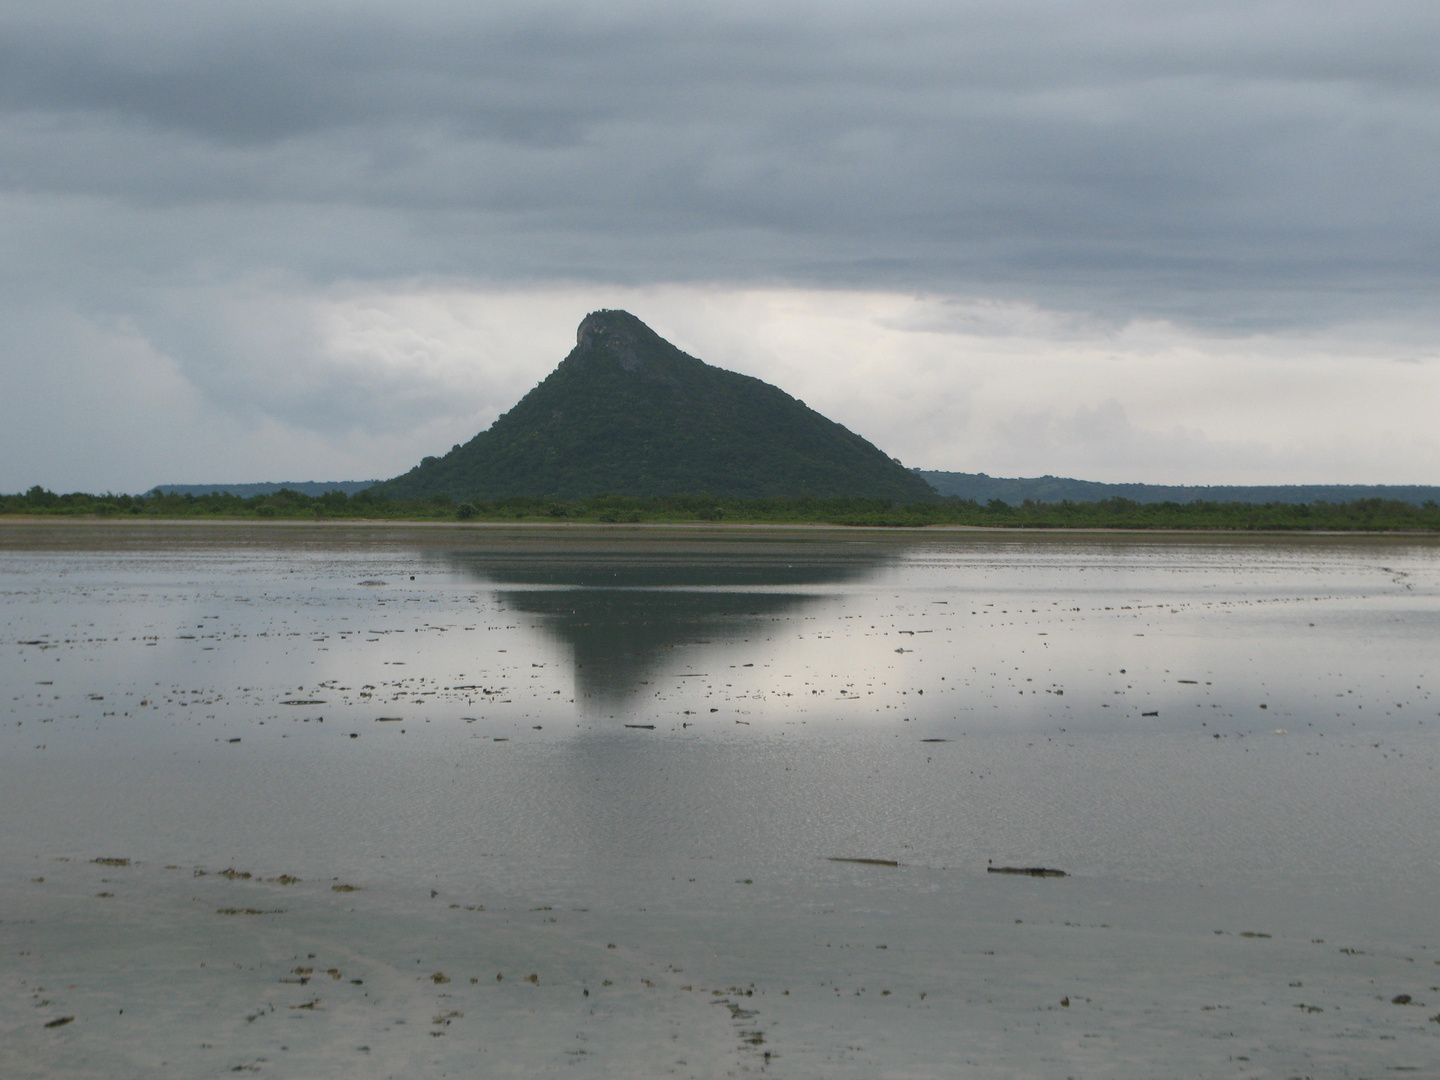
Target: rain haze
(1179, 243)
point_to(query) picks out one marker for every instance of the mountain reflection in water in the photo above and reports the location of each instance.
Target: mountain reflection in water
(621, 612)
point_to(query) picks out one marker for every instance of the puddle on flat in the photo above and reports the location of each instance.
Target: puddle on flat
(622, 760)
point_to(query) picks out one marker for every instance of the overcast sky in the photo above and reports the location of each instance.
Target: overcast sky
(1167, 242)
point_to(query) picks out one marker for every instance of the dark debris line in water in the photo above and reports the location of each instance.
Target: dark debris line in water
(1028, 871)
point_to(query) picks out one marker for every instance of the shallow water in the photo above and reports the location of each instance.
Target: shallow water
(525, 746)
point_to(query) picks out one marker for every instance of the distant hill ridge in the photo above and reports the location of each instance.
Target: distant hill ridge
(1054, 489)
(983, 488)
(245, 491)
(627, 413)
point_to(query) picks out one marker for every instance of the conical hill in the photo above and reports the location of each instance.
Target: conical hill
(627, 413)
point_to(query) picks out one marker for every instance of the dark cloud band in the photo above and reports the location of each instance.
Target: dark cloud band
(1219, 162)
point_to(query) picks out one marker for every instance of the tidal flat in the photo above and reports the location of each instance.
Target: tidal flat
(402, 801)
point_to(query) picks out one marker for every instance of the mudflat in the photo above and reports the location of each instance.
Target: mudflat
(357, 799)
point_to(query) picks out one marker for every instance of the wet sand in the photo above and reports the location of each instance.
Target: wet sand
(342, 823)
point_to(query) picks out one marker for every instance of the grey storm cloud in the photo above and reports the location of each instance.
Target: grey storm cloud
(184, 185)
(1210, 161)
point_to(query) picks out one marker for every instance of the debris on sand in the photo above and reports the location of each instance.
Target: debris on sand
(111, 862)
(1028, 871)
(736, 1011)
(863, 862)
(248, 911)
(647, 727)
(344, 888)
(59, 1021)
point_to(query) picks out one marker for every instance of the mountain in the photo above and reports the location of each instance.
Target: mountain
(1053, 489)
(627, 413)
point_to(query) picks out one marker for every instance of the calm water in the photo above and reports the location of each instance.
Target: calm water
(622, 761)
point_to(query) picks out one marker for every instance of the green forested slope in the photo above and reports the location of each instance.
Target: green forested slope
(627, 413)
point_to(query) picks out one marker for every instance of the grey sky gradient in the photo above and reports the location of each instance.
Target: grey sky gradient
(188, 191)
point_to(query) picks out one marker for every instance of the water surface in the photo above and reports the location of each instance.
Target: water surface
(622, 760)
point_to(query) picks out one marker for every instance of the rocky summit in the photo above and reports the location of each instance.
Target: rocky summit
(627, 413)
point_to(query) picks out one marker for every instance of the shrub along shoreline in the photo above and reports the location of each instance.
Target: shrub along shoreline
(1361, 515)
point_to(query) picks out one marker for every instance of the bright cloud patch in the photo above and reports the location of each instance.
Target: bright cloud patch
(361, 382)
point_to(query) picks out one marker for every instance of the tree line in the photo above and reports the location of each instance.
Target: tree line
(1371, 515)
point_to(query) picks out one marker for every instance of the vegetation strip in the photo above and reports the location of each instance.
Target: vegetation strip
(1360, 515)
